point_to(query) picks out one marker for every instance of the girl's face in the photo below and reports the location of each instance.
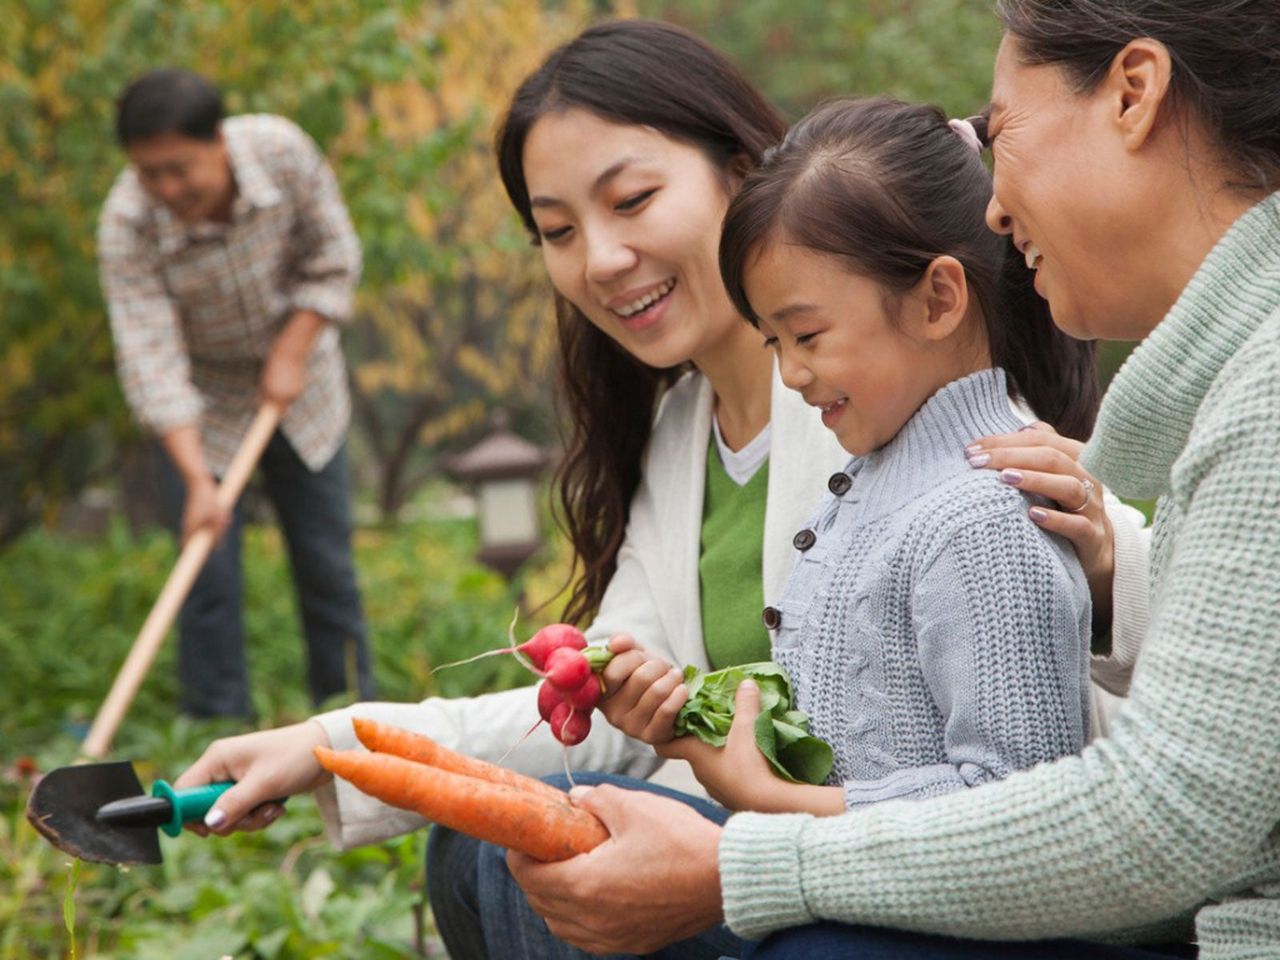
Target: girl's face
(840, 345)
(630, 227)
(1080, 208)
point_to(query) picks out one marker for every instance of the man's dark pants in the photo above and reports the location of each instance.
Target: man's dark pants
(314, 510)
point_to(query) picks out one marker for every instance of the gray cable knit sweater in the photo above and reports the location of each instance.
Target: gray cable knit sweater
(936, 637)
(1179, 808)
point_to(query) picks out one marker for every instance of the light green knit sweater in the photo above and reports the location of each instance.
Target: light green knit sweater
(1179, 809)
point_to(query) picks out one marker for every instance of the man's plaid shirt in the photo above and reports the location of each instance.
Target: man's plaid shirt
(195, 308)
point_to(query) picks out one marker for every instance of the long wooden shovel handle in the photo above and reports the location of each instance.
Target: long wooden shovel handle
(176, 588)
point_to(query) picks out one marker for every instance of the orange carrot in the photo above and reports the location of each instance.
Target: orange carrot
(542, 827)
(384, 738)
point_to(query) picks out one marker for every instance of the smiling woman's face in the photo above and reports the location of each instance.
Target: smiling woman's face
(630, 226)
(1078, 204)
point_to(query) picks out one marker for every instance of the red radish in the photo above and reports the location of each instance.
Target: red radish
(568, 725)
(548, 699)
(537, 648)
(567, 669)
(586, 696)
(555, 636)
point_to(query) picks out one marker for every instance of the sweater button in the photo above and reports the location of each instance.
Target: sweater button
(839, 483)
(772, 618)
(804, 539)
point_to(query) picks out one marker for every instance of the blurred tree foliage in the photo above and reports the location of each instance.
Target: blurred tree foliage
(801, 51)
(456, 312)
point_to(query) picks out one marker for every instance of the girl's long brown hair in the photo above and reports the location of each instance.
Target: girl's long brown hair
(647, 74)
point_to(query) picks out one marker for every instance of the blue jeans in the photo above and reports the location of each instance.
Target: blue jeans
(834, 941)
(315, 514)
(480, 912)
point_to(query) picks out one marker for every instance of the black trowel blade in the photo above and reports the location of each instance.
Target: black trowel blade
(64, 806)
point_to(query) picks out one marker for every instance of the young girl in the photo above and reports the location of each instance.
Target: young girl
(937, 638)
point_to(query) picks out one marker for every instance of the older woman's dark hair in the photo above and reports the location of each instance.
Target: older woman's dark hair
(888, 187)
(1225, 55)
(640, 73)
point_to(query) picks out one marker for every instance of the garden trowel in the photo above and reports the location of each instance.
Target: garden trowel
(99, 811)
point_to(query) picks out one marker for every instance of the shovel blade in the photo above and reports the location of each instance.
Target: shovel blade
(63, 807)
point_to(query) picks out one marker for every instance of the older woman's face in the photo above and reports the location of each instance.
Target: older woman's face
(1071, 199)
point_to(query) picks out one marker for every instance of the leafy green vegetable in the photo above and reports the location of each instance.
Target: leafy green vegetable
(781, 732)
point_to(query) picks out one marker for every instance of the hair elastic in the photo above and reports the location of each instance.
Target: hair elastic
(967, 133)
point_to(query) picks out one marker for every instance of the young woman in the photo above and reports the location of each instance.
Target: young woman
(1137, 156)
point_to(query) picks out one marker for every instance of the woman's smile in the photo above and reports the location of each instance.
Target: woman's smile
(646, 309)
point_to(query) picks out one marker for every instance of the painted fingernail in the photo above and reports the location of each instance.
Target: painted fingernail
(1011, 477)
(973, 448)
(1038, 514)
(981, 460)
(214, 819)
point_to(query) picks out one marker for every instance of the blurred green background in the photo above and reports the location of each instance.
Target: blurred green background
(453, 320)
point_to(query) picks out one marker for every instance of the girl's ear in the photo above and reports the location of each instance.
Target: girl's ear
(942, 296)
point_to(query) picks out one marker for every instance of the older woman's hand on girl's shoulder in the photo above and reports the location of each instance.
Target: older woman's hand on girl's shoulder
(1038, 460)
(738, 776)
(643, 692)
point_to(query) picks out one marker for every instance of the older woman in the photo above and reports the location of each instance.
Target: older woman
(1137, 148)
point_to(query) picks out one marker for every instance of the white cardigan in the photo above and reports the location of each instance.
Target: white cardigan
(654, 596)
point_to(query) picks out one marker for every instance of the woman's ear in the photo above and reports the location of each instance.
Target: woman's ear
(1138, 84)
(942, 299)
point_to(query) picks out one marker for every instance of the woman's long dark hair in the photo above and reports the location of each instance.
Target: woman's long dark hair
(648, 74)
(888, 187)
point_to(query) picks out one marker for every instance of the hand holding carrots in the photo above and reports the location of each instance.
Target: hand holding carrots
(654, 882)
(644, 692)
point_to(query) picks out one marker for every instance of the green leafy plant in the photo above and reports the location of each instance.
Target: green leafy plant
(782, 733)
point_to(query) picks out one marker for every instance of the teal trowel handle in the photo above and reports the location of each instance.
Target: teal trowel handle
(189, 804)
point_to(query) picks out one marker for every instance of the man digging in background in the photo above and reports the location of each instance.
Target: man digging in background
(227, 259)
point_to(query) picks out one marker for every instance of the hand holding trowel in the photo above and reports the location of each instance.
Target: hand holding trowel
(99, 811)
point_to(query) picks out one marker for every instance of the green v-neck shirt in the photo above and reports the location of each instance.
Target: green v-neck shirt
(730, 561)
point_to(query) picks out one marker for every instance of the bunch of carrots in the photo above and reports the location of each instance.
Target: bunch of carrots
(474, 797)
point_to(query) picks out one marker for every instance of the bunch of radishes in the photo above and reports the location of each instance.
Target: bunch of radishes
(571, 686)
